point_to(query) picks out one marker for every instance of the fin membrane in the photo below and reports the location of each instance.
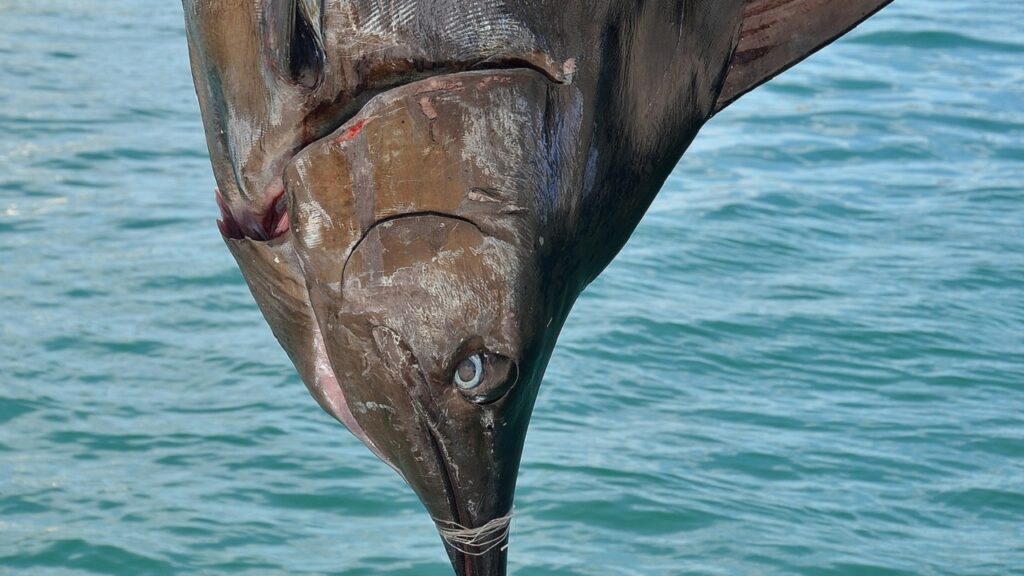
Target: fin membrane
(776, 34)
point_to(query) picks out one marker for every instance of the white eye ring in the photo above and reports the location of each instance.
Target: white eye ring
(477, 366)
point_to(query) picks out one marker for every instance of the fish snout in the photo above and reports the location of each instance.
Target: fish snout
(459, 453)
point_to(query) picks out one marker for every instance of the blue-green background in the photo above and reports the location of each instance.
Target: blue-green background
(809, 359)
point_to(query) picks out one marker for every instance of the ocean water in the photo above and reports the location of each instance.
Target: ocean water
(809, 359)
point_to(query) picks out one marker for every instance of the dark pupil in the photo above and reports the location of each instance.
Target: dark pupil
(467, 371)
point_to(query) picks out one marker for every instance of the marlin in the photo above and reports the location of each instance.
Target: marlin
(417, 191)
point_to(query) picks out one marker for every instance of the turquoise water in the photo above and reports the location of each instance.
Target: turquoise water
(809, 360)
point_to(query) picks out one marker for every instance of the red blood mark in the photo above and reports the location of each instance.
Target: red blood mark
(229, 227)
(268, 224)
(275, 218)
(351, 133)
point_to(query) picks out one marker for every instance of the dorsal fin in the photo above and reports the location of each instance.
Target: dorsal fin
(776, 34)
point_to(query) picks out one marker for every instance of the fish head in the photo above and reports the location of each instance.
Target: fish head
(417, 191)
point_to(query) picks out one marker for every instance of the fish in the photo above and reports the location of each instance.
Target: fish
(417, 191)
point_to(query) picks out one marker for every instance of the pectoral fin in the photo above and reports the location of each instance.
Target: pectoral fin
(776, 34)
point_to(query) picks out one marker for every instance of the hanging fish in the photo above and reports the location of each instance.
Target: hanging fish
(417, 191)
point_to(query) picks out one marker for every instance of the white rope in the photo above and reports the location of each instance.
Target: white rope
(476, 541)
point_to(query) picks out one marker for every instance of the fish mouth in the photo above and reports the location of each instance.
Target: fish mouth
(474, 541)
(267, 219)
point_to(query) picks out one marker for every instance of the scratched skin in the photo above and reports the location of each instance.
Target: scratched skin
(417, 192)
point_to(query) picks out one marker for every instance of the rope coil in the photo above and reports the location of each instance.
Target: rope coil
(476, 541)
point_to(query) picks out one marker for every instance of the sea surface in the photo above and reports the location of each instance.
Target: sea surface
(809, 359)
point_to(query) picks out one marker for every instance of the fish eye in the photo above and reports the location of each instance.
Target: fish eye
(469, 373)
